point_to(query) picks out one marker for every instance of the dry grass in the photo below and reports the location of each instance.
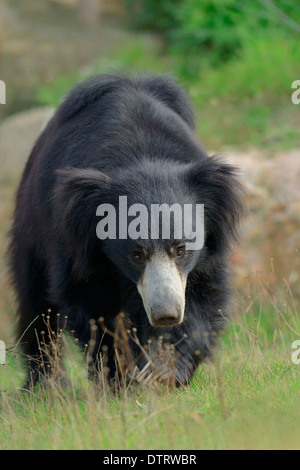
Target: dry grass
(247, 398)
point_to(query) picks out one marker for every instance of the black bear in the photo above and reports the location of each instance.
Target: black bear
(119, 150)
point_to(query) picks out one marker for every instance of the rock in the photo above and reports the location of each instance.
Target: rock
(270, 247)
(17, 136)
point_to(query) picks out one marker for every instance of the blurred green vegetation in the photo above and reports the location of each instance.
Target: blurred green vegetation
(236, 60)
(213, 31)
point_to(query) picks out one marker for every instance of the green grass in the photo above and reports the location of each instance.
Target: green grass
(235, 405)
(248, 398)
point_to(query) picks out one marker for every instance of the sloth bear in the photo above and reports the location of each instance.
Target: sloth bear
(120, 140)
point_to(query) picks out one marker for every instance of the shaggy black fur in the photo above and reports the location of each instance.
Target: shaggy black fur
(116, 135)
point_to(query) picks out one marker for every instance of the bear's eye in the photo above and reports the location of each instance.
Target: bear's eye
(137, 256)
(180, 251)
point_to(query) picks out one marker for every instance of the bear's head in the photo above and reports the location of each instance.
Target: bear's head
(160, 226)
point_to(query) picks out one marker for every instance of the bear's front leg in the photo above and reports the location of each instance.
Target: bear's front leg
(172, 355)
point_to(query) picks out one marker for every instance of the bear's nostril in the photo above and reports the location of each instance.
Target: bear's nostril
(165, 321)
(165, 318)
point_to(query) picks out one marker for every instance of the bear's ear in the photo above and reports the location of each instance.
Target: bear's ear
(166, 90)
(85, 93)
(76, 197)
(218, 186)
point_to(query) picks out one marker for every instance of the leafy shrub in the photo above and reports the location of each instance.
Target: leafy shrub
(209, 32)
(156, 15)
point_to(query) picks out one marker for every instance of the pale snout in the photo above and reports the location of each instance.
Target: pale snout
(166, 315)
(162, 289)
